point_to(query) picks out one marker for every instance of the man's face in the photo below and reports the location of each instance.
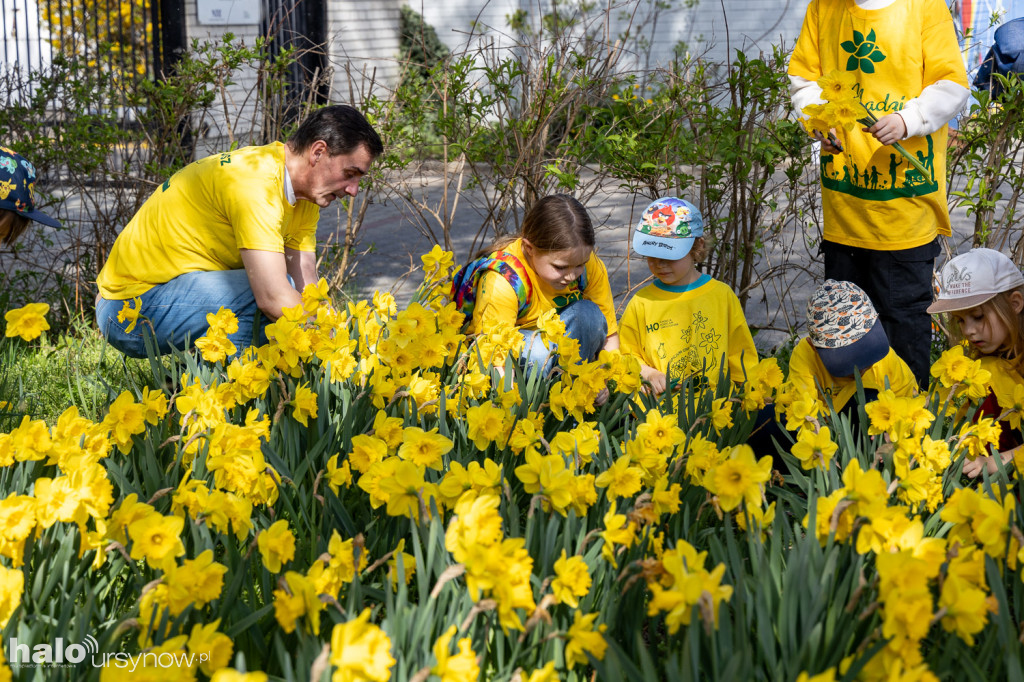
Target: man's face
(334, 177)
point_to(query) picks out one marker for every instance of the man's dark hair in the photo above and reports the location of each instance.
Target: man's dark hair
(342, 127)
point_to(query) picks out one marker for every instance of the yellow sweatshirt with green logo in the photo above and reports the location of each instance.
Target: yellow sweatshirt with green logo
(872, 196)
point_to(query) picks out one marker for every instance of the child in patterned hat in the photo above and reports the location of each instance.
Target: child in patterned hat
(17, 178)
(846, 337)
(684, 322)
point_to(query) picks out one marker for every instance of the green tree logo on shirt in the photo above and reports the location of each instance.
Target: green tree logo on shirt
(864, 53)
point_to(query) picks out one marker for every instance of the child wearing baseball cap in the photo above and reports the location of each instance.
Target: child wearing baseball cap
(17, 208)
(844, 337)
(982, 291)
(684, 322)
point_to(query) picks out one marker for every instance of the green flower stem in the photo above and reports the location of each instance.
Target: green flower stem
(913, 160)
(870, 120)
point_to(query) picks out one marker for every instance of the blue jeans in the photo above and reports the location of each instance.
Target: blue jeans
(177, 312)
(583, 321)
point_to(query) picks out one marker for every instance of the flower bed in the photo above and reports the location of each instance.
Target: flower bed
(367, 497)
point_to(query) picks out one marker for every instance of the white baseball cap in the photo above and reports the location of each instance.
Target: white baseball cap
(974, 277)
(668, 228)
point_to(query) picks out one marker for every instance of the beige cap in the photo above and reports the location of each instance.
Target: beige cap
(974, 277)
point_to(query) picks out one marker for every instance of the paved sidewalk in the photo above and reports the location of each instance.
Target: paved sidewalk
(396, 243)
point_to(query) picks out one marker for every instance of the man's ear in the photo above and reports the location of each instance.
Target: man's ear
(316, 150)
(1017, 301)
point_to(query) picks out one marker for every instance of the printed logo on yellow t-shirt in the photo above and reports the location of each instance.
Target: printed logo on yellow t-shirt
(887, 174)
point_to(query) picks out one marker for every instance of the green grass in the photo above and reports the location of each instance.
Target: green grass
(49, 375)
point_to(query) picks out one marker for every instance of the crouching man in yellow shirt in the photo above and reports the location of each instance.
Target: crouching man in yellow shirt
(234, 230)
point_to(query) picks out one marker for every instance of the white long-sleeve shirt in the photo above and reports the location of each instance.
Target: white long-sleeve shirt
(937, 104)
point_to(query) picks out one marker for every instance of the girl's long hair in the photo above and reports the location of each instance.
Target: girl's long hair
(13, 225)
(1013, 321)
(557, 222)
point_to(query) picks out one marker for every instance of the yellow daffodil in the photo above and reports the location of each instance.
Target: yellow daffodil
(814, 449)
(486, 424)
(360, 651)
(620, 479)
(12, 585)
(462, 667)
(583, 638)
(276, 545)
(211, 648)
(837, 85)
(156, 537)
(129, 313)
(739, 477)
(125, 418)
(296, 597)
(572, 580)
(304, 404)
(425, 448)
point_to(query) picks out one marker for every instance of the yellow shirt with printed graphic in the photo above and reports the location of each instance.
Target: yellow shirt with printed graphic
(682, 330)
(808, 373)
(496, 300)
(871, 195)
(199, 219)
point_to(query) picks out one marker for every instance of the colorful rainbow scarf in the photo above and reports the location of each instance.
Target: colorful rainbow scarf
(505, 264)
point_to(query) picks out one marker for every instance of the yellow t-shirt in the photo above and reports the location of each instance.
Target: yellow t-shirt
(200, 218)
(808, 372)
(496, 300)
(872, 197)
(679, 330)
(1004, 379)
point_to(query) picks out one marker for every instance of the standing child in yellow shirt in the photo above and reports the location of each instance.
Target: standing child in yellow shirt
(882, 216)
(684, 322)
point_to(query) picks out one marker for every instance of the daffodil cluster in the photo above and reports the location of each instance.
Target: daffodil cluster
(236, 511)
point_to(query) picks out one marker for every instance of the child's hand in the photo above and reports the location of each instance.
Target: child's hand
(830, 143)
(973, 467)
(889, 129)
(657, 380)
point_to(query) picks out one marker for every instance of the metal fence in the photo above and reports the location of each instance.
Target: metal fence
(143, 39)
(112, 35)
(302, 26)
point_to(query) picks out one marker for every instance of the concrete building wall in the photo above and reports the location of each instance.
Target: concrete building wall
(363, 37)
(362, 52)
(238, 118)
(751, 25)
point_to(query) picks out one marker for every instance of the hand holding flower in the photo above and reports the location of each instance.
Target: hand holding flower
(829, 144)
(889, 129)
(843, 109)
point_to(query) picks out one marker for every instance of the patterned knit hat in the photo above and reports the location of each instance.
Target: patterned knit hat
(668, 228)
(17, 177)
(843, 326)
